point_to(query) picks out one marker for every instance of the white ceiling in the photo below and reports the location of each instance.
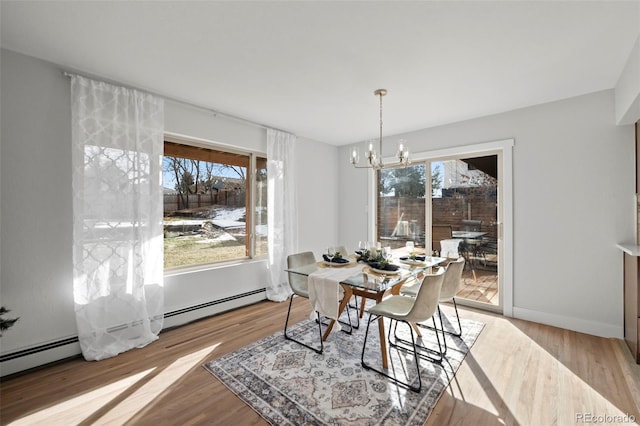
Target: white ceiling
(310, 67)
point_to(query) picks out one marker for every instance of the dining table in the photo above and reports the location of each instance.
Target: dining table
(468, 235)
(360, 279)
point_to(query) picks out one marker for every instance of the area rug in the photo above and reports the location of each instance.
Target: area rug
(288, 384)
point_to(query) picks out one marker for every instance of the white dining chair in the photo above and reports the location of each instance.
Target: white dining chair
(407, 309)
(451, 284)
(300, 287)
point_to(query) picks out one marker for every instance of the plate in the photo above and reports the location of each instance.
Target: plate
(413, 262)
(337, 264)
(383, 272)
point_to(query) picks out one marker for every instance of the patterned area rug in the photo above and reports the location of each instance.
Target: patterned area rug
(288, 384)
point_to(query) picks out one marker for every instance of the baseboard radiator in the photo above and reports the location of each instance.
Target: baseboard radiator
(23, 360)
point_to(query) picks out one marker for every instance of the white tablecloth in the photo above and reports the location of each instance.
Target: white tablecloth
(324, 289)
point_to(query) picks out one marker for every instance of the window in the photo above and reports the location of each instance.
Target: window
(215, 205)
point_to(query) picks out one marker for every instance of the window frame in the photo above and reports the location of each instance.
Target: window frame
(251, 190)
(504, 149)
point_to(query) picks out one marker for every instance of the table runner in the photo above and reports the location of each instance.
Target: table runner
(325, 289)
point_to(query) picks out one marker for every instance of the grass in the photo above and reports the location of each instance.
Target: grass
(186, 251)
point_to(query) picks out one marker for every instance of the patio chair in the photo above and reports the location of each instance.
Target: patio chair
(470, 248)
(488, 251)
(409, 310)
(471, 225)
(439, 233)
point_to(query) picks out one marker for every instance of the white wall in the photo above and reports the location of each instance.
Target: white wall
(36, 227)
(628, 88)
(317, 173)
(573, 191)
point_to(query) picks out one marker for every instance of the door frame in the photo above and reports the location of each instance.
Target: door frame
(504, 150)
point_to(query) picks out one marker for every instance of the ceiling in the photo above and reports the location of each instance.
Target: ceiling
(310, 67)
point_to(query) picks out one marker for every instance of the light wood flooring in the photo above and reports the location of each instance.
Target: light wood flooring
(517, 373)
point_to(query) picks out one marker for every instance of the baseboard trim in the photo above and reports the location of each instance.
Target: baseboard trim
(68, 347)
(213, 303)
(570, 323)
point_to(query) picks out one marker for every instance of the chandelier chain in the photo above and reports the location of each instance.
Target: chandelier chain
(381, 94)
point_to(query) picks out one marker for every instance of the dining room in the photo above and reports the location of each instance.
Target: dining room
(533, 275)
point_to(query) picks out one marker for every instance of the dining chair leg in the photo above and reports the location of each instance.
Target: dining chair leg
(357, 308)
(438, 340)
(393, 378)
(350, 324)
(442, 326)
(355, 303)
(451, 333)
(455, 306)
(288, 337)
(403, 344)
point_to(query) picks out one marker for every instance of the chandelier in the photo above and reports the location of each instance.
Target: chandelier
(375, 158)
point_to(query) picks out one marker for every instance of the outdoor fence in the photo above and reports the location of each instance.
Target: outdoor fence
(176, 202)
(400, 216)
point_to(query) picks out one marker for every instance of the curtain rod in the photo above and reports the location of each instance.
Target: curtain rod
(189, 104)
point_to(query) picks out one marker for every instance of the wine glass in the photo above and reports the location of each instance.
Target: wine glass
(386, 253)
(331, 252)
(410, 248)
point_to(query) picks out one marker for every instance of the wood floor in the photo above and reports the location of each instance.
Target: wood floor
(480, 285)
(517, 373)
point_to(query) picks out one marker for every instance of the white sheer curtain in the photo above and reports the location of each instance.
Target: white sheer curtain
(117, 137)
(281, 208)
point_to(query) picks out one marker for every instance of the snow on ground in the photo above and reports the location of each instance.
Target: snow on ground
(226, 218)
(231, 218)
(222, 213)
(223, 237)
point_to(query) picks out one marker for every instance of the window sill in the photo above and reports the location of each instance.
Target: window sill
(180, 270)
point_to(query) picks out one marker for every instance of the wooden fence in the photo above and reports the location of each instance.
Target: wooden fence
(405, 217)
(177, 202)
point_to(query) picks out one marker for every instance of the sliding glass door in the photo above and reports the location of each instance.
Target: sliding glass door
(465, 222)
(450, 207)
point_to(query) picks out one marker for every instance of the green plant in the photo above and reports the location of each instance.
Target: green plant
(6, 323)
